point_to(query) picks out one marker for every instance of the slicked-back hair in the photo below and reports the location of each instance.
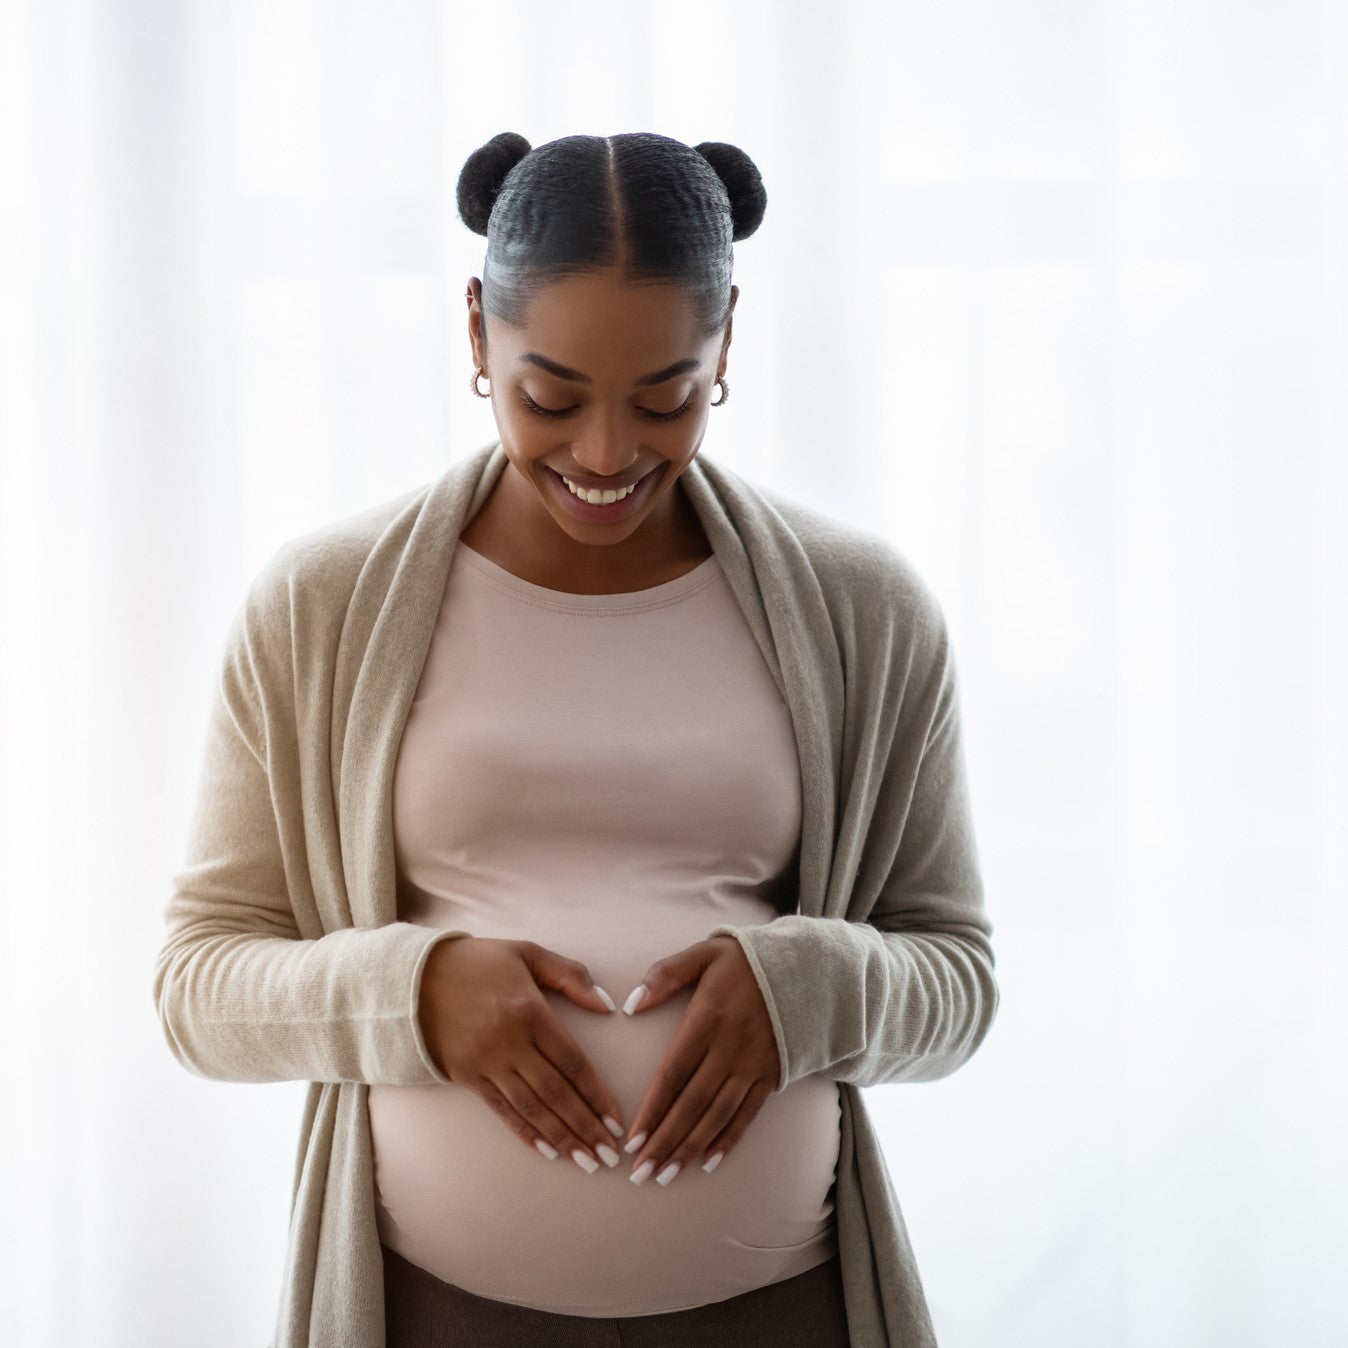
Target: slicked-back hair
(653, 208)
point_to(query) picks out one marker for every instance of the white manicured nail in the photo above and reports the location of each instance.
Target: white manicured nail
(585, 1161)
(604, 997)
(636, 1142)
(607, 1155)
(642, 1172)
(634, 998)
(715, 1160)
(668, 1173)
(613, 1126)
(548, 1151)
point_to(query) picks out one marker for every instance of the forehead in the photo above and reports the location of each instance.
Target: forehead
(581, 320)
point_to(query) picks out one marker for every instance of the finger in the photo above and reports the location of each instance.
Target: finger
(682, 1058)
(714, 1123)
(568, 976)
(690, 1105)
(549, 1132)
(513, 1119)
(725, 1141)
(555, 1043)
(571, 1118)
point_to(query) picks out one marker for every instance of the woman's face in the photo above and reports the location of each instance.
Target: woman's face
(630, 382)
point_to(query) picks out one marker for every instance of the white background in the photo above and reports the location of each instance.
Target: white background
(1052, 295)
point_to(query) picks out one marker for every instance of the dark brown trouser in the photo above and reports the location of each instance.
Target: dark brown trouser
(421, 1311)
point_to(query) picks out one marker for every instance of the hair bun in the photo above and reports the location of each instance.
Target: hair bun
(482, 175)
(743, 184)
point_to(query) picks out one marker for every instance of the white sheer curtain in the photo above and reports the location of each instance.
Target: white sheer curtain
(1053, 296)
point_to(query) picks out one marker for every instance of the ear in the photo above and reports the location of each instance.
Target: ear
(473, 299)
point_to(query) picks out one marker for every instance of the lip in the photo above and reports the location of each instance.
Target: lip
(603, 484)
(602, 514)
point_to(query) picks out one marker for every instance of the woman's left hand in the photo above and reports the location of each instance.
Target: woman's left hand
(721, 1064)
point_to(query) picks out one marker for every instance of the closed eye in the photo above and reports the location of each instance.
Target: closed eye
(566, 411)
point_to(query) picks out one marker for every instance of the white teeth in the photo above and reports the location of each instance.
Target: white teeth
(596, 497)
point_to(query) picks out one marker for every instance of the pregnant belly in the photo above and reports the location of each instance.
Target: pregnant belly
(461, 1195)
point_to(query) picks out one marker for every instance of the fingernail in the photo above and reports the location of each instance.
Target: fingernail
(607, 1155)
(711, 1165)
(604, 997)
(634, 999)
(549, 1151)
(668, 1173)
(642, 1172)
(636, 1142)
(613, 1125)
(585, 1161)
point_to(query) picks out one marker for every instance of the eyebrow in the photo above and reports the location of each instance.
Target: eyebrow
(659, 377)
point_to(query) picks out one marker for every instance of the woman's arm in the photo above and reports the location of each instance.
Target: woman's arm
(241, 995)
(910, 993)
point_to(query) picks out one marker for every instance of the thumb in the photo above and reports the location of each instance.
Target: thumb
(567, 976)
(665, 977)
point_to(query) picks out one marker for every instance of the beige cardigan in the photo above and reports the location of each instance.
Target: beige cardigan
(283, 959)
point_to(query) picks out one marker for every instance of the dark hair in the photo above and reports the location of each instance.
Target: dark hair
(653, 207)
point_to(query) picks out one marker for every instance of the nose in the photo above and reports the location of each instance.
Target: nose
(607, 448)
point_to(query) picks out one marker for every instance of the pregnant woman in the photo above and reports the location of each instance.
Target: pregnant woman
(587, 827)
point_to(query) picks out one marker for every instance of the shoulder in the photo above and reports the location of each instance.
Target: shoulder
(889, 623)
(863, 574)
(311, 576)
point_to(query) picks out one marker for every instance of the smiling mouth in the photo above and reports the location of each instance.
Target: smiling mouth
(628, 488)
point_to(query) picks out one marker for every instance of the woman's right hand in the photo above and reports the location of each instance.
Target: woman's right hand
(488, 1026)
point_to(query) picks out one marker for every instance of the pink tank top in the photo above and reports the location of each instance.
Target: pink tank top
(610, 776)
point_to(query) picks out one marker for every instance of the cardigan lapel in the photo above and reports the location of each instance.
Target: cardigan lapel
(388, 632)
(779, 594)
(391, 619)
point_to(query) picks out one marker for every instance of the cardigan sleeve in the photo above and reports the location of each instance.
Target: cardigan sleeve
(910, 993)
(241, 994)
